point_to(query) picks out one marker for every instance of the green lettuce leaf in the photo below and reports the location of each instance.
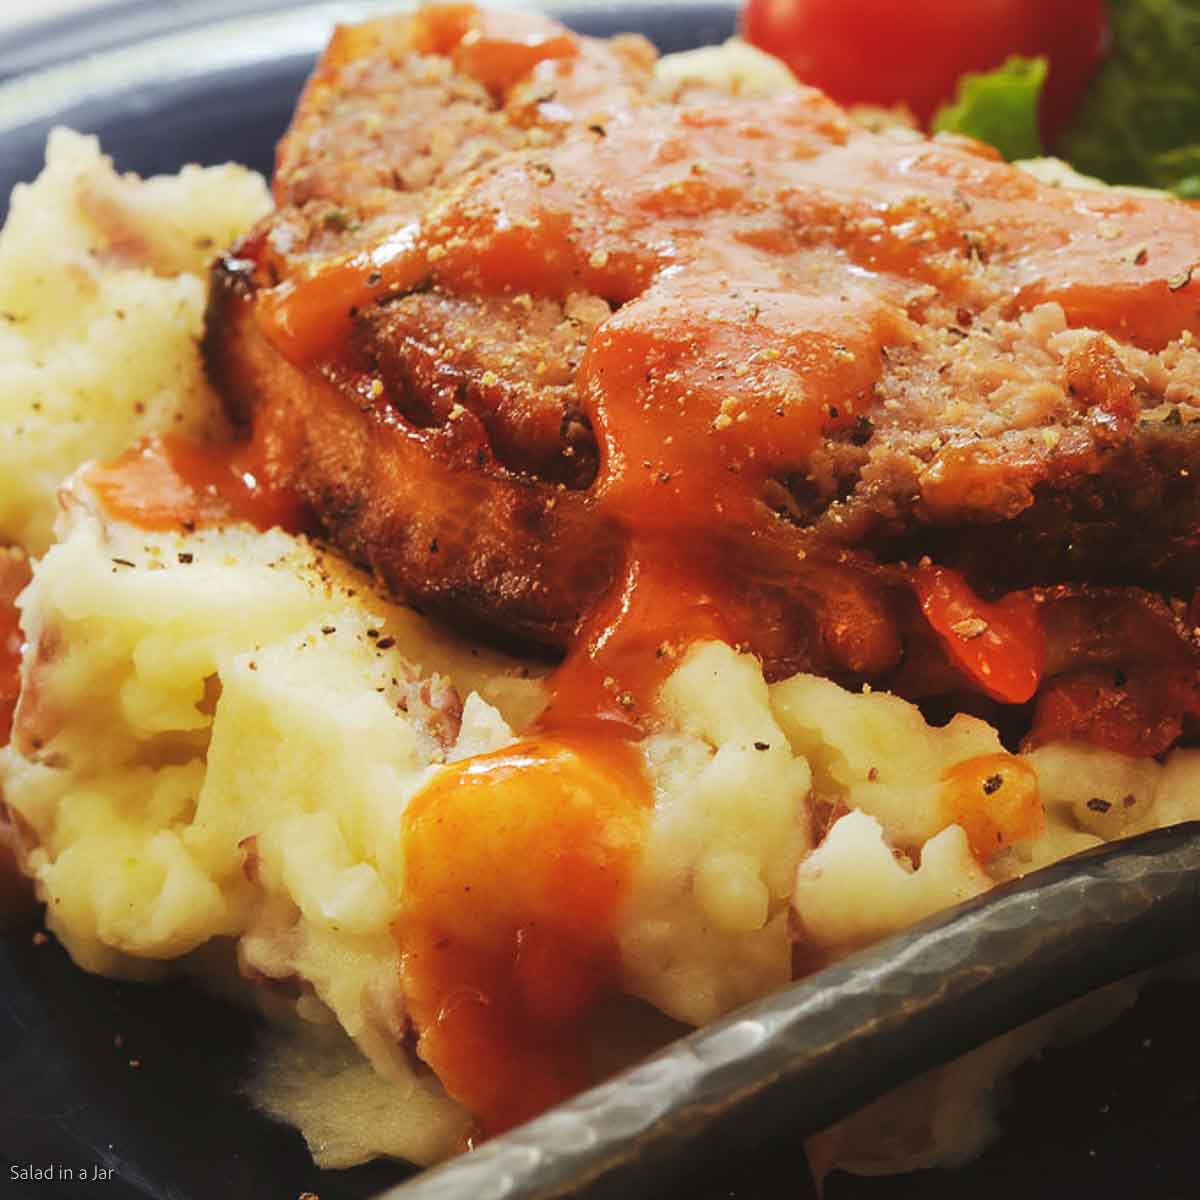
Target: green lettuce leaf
(999, 107)
(1140, 121)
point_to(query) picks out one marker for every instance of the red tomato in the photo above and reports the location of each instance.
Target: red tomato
(999, 645)
(891, 51)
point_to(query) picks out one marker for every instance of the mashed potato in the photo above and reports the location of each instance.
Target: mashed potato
(220, 731)
(217, 738)
(102, 292)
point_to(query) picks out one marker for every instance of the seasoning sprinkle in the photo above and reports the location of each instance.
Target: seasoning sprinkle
(970, 628)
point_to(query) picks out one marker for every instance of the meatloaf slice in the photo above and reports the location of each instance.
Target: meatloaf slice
(524, 316)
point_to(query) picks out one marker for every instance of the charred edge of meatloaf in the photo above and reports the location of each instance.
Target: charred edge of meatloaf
(231, 287)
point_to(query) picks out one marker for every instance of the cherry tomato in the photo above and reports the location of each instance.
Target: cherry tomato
(888, 52)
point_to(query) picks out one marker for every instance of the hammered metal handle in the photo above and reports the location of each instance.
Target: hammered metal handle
(808, 1056)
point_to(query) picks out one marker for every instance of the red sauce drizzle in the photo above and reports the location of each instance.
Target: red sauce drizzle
(628, 647)
(515, 865)
(171, 483)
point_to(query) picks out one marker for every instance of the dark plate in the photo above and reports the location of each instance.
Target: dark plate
(209, 80)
